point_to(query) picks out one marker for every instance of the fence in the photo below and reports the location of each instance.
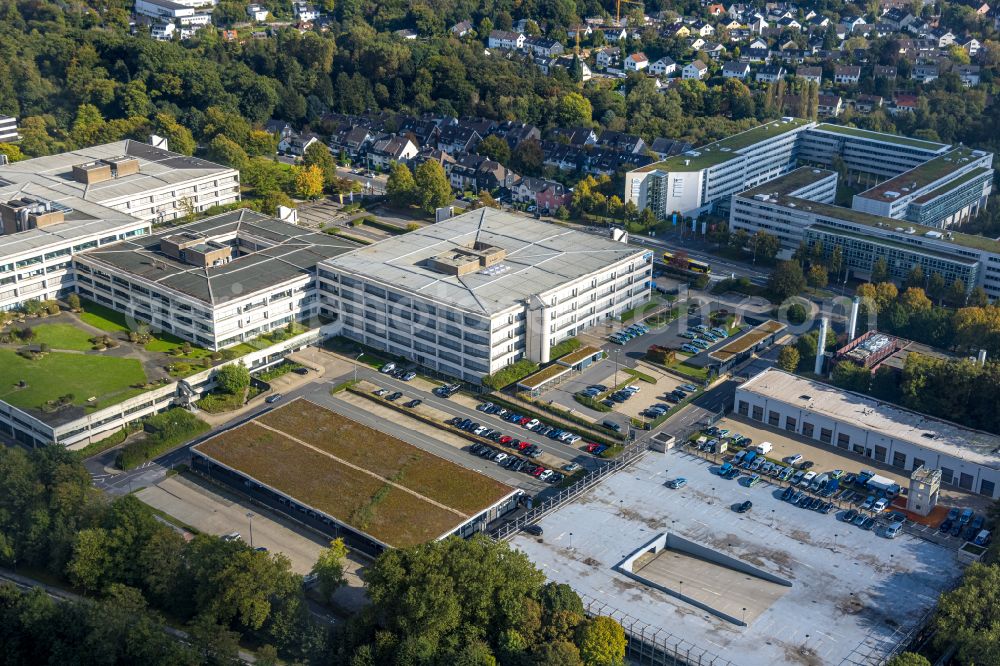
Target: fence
(653, 646)
(629, 454)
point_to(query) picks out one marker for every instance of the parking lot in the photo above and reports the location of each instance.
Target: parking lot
(854, 593)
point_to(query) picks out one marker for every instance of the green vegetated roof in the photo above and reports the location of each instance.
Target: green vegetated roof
(930, 171)
(880, 136)
(952, 184)
(543, 375)
(868, 219)
(790, 182)
(725, 149)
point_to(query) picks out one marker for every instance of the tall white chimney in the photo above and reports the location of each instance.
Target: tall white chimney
(853, 323)
(824, 323)
(982, 357)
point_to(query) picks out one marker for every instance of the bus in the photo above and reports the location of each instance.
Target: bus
(692, 265)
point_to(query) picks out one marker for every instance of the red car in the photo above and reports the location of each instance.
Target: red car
(524, 419)
(521, 446)
(591, 446)
(538, 471)
(506, 439)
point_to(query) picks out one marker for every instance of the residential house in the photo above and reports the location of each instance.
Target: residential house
(162, 32)
(971, 45)
(482, 126)
(423, 131)
(757, 55)
(757, 44)
(636, 62)
(866, 103)
(297, 144)
(584, 30)
(758, 24)
(696, 43)
(614, 34)
(729, 25)
(392, 148)
(735, 70)
(514, 133)
(607, 57)
(944, 38)
(695, 70)
(304, 11)
(406, 33)
(925, 72)
(829, 105)
(969, 74)
(575, 136)
(563, 156)
(885, 72)
(624, 143)
(714, 50)
(607, 162)
(257, 13)
(664, 148)
(543, 46)
(846, 74)
(677, 31)
(716, 10)
(665, 66)
(456, 139)
(702, 29)
(505, 39)
(770, 74)
(566, 62)
(904, 103)
(813, 74)
(352, 140)
(548, 195)
(428, 154)
(819, 21)
(461, 29)
(281, 128)
(854, 24)
(789, 23)
(477, 173)
(230, 35)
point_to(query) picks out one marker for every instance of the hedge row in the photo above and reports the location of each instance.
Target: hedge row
(164, 431)
(512, 373)
(565, 347)
(592, 403)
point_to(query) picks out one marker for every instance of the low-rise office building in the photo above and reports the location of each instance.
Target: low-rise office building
(217, 282)
(57, 206)
(785, 209)
(886, 433)
(471, 295)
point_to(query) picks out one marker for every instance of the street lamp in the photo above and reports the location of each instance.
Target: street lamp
(571, 541)
(250, 518)
(744, 616)
(680, 585)
(617, 352)
(356, 359)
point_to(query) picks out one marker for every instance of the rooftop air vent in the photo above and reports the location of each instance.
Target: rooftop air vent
(805, 397)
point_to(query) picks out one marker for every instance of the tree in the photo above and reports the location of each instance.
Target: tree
(602, 642)
(12, 151)
(788, 358)
(557, 653)
(956, 294)
(885, 294)
(432, 186)
(329, 567)
(765, 246)
(400, 186)
(495, 148)
(968, 617)
(909, 659)
(73, 302)
(223, 149)
(87, 126)
(309, 182)
(851, 377)
(573, 110)
(880, 271)
(915, 278)
(89, 565)
(528, 158)
(233, 378)
(796, 314)
(786, 280)
(915, 300)
(319, 155)
(817, 276)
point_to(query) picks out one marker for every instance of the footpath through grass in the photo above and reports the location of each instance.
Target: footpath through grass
(107, 378)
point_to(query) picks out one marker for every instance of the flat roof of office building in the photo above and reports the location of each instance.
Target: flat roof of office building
(540, 257)
(726, 149)
(82, 219)
(881, 136)
(158, 168)
(887, 419)
(290, 252)
(790, 182)
(919, 177)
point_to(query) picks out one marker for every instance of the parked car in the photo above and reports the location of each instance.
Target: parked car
(387, 368)
(743, 507)
(271, 399)
(413, 403)
(533, 530)
(792, 459)
(850, 516)
(409, 376)
(677, 483)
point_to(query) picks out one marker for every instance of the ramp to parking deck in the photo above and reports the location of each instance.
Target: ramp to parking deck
(722, 585)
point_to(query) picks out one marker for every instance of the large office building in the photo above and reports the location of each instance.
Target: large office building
(217, 282)
(884, 432)
(52, 208)
(924, 182)
(797, 212)
(475, 293)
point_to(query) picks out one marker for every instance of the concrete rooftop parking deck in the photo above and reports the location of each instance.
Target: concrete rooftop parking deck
(854, 594)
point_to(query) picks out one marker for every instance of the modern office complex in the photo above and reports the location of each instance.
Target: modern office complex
(923, 182)
(886, 433)
(217, 282)
(703, 178)
(784, 208)
(475, 293)
(54, 207)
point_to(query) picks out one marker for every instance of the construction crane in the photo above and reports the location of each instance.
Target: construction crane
(618, 9)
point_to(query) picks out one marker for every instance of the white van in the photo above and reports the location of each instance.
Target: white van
(763, 448)
(983, 538)
(880, 506)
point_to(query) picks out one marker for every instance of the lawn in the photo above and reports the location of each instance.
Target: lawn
(103, 318)
(62, 336)
(57, 374)
(689, 370)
